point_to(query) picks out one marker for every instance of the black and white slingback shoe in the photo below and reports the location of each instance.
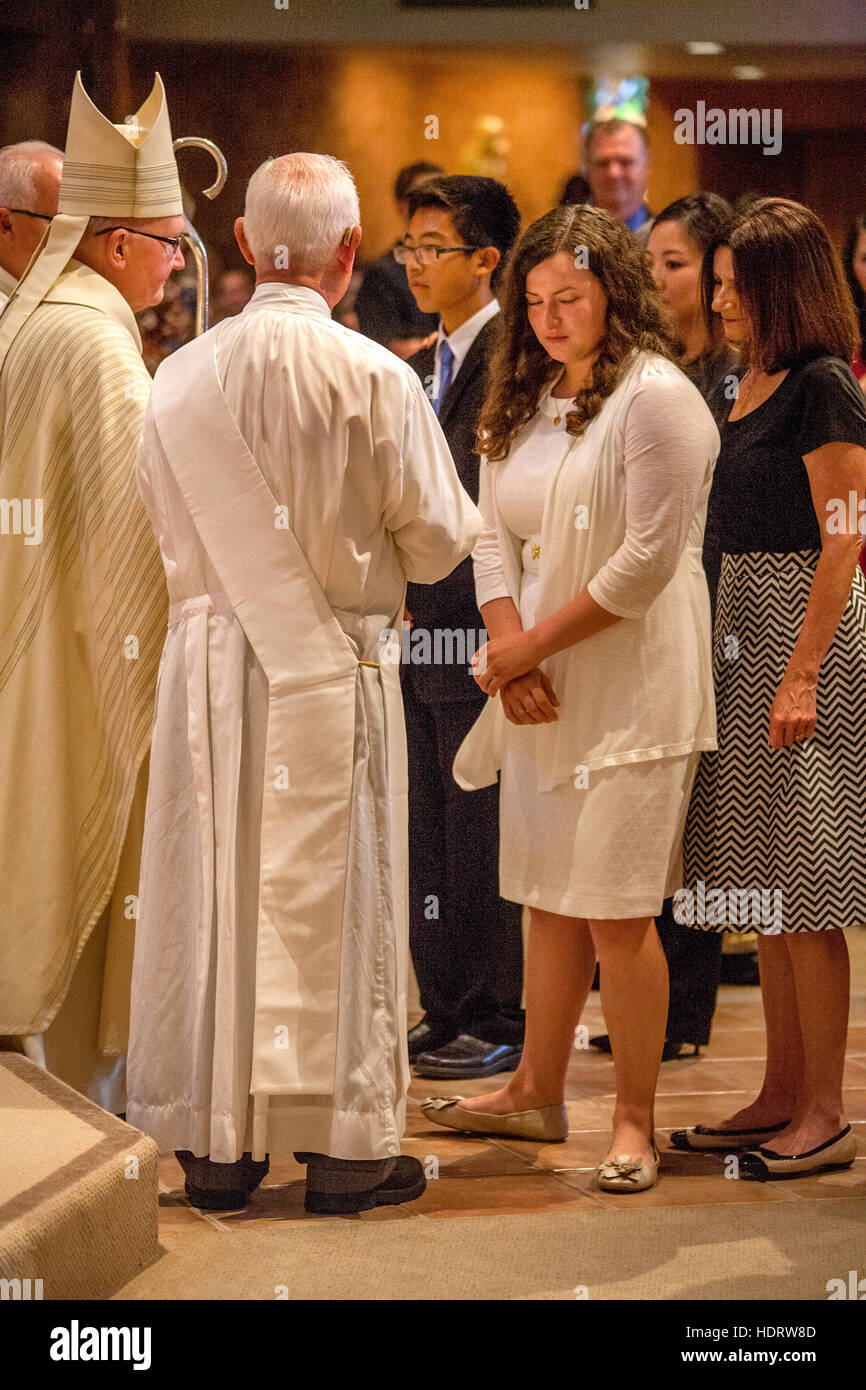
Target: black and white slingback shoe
(701, 1139)
(764, 1165)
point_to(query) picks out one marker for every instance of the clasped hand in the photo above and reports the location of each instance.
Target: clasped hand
(507, 666)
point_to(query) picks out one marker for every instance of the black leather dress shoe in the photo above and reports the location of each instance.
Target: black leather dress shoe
(426, 1037)
(467, 1057)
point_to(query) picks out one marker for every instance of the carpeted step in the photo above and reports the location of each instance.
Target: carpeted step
(78, 1190)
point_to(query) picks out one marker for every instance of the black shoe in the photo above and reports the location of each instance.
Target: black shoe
(404, 1183)
(207, 1183)
(671, 1052)
(426, 1037)
(466, 1058)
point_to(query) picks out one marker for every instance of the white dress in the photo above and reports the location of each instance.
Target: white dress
(608, 849)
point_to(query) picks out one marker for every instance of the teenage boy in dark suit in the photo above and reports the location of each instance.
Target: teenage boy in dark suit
(466, 941)
(385, 308)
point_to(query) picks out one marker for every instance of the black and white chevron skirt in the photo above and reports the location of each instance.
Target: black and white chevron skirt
(775, 839)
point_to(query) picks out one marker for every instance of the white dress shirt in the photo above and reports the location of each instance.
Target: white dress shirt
(460, 341)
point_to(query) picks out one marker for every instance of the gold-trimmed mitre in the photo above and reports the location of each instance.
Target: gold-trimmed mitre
(120, 170)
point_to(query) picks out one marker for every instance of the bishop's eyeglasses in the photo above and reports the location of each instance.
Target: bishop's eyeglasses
(172, 243)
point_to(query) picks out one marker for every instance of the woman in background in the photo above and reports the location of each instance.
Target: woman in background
(681, 235)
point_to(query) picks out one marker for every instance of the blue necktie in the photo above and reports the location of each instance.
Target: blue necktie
(446, 366)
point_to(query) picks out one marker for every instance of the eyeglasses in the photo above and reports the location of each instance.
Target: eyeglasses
(43, 216)
(426, 255)
(171, 242)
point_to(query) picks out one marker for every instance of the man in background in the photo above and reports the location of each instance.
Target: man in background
(466, 940)
(234, 289)
(29, 188)
(385, 307)
(617, 168)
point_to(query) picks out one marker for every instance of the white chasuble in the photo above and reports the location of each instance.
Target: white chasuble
(7, 285)
(296, 477)
(83, 613)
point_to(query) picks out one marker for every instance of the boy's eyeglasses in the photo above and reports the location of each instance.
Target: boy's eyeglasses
(426, 255)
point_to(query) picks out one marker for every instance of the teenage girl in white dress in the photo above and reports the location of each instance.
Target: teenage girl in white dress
(598, 458)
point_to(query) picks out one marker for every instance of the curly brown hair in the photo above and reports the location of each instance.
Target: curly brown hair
(520, 368)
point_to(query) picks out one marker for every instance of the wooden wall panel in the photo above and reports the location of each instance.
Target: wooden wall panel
(368, 106)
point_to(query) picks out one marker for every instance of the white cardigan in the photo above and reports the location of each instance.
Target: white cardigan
(644, 687)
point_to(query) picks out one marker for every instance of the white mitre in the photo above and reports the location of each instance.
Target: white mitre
(108, 171)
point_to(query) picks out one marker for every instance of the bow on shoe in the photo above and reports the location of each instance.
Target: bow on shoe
(623, 1166)
(439, 1102)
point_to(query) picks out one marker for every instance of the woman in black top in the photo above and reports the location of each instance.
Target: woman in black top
(774, 838)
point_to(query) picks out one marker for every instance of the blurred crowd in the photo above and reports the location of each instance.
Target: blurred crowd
(379, 302)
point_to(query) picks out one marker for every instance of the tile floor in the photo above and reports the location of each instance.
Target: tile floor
(490, 1177)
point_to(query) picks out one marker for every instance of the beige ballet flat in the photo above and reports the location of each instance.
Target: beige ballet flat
(626, 1174)
(549, 1124)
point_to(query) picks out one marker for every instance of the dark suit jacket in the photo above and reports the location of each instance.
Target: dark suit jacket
(451, 602)
(386, 306)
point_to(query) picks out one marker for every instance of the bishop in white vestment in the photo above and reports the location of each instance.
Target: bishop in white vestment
(296, 477)
(81, 586)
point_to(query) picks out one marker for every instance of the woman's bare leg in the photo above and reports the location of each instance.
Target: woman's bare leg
(821, 975)
(783, 1073)
(634, 997)
(560, 964)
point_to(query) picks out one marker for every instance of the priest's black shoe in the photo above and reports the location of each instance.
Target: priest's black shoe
(325, 1176)
(466, 1058)
(427, 1036)
(221, 1186)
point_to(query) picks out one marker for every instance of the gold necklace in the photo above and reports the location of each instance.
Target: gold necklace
(744, 397)
(558, 416)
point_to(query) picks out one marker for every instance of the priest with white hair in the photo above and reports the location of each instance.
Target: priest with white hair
(296, 476)
(82, 592)
(29, 189)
